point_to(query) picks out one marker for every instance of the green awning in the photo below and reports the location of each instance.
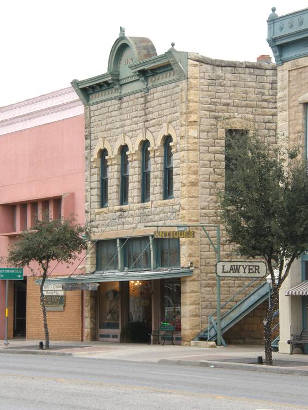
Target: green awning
(116, 276)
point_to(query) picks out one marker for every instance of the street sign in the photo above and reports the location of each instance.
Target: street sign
(241, 269)
(11, 274)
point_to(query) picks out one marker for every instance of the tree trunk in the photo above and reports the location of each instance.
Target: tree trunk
(272, 306)
(42, 301)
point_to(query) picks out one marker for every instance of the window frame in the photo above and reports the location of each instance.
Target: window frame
(145, 172)
(103, 179)
(124, 179)
(168, 169)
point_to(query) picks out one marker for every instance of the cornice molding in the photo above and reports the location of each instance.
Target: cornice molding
(47, 108)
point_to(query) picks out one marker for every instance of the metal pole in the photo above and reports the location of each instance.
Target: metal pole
(218, 288)
(6, 312)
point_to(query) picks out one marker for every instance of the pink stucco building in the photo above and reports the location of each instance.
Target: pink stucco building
(41, 173)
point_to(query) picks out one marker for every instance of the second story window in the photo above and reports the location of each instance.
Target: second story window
(124, 183)
(168, 168)
(146, 172)
(104, 179)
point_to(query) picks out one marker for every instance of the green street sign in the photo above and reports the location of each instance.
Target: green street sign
(11, 274)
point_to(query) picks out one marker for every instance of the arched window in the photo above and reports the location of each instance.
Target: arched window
(104, 179)
(124, 176)
(168, 168)
(145, 172)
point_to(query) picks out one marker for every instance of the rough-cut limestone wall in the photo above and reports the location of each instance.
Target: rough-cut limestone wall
(167, 110)
(233, 95)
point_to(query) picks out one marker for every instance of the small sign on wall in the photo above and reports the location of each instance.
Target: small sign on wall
(241, 269)
(54, 297)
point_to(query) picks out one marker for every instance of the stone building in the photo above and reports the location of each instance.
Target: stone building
(155, 129)
(288, 37)
(42, 176)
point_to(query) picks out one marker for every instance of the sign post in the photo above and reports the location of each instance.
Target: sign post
(9, 274)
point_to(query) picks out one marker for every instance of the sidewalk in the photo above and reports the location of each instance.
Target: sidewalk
(235, 357)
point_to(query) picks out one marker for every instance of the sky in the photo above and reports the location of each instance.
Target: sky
(45, 44)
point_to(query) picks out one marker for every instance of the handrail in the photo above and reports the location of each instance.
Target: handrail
(254, 280)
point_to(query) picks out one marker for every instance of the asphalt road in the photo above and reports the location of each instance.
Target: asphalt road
(53, 382)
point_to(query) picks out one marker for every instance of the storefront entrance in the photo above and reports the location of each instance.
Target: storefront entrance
(130, 311)
(20, 297)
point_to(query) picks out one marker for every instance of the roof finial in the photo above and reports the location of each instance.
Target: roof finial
(172, 44)
(122, 32)
(273, 14)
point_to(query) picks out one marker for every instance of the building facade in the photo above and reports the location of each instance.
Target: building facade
(156, 128)
(288, 36)
(42, 176)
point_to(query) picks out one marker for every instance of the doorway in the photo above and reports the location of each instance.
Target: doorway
(20, 305)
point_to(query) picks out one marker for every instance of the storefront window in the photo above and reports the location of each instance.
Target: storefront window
(137, 253)
(167, 252)
(172, 302)
(106, 255)
(109, 306)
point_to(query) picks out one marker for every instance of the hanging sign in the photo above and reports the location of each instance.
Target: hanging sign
(241, 269)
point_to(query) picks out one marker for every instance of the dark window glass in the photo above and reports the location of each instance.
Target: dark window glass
(104, 179)
(234, 139)
(106, 255)
(23, 217)
(124, 176)
(146, 172)
(34, 213)
(57, 203)
(168, 169)
(167, 252)
(137, 253)
(172, 302)
(45, 210)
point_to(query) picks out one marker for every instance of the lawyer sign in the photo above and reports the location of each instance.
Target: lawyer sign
(241, 269)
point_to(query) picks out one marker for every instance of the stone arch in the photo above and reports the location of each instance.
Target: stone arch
(123, 140)
(146, 135)
(102, 144)
(167, 129)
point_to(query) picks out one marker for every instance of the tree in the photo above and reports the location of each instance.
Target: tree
(47, 241)
(265, 211)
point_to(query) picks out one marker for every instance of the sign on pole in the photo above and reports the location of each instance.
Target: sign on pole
(241, 269)
(11, 274)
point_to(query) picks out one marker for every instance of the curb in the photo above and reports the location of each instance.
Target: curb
(238, 366)
(35, 352)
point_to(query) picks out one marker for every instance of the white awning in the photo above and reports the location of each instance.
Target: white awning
(299, 290)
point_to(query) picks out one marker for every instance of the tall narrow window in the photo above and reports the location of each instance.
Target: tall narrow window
(146, 172)
(168, 168)
(104, 179)
(124, 176)
(23, 217)
(45, 210)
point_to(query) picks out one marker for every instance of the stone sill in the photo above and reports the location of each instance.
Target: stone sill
(134, 207)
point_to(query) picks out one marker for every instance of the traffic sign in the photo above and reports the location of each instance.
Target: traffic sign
(11, 274)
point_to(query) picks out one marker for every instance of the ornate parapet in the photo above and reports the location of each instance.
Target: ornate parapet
(133, 67)
(288, 35)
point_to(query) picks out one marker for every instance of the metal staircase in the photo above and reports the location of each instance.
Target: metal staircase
(250, 300)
